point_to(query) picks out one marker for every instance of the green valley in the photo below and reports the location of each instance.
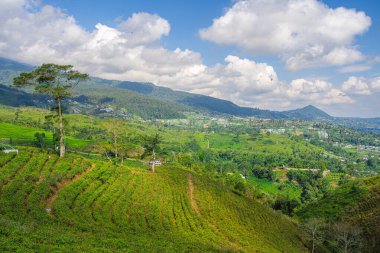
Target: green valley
(233, 186)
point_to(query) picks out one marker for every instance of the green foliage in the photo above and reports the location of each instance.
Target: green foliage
(263, 173)
(151, 144)
(353, 207)
(53, 80)
(285, 205)
(40, 139)
(56, 81)
(21, 135)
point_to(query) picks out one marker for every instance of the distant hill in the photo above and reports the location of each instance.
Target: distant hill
(151, 101)
(14, 65)
(9, 69)
(198, 102)
(13, 97)
(307, 113)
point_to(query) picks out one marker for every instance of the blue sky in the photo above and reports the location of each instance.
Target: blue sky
(214, 47)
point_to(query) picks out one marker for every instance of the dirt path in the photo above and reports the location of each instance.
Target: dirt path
(193, 203)
(60, 185)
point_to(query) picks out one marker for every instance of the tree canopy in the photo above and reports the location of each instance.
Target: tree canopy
(53, 80)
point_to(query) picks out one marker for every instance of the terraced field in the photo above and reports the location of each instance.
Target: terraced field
(79, 205)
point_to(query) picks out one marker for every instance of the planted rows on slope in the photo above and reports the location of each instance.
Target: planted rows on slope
(119, 208)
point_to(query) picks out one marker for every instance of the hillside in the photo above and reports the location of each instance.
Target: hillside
(76, 204)
(144, 99)
(307, 113)
(358, 203)
(13, 97)
(150, 101)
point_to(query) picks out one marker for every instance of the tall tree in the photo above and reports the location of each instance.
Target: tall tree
(314, 227)
(115, 130)
(151, 145)
(347, 236)
(56, 81)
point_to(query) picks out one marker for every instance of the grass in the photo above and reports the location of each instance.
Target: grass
(22, 134)
(272, 188)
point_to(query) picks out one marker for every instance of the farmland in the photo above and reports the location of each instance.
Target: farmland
(77, 204)
(224, 189)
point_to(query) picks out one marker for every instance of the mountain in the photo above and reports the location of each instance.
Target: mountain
(7, 64)
(310, 113)
(195, 101)
(145, 99)
(75, 204)
(198, 102)
(13, 97)
(150, 101)
(10, 68)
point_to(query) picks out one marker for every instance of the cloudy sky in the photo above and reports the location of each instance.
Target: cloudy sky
(272, 54)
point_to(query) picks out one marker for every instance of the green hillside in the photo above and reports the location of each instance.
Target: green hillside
(357, 203)
(150, 101)
(74, 204)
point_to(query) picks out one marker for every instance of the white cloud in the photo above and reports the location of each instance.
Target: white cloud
(302, 33)
(145, 28)
(355, 68)
(132, 51)
(375, 84)
(317, 91)
(356, 85)
(252, 84)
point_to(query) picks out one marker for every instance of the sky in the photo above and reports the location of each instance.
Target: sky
(269, 54)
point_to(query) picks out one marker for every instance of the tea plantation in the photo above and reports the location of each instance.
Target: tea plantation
(74, 204)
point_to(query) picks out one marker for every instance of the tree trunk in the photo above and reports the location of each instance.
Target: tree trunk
(108, 157)
(115, 142)
(154, 161)
(60, 125)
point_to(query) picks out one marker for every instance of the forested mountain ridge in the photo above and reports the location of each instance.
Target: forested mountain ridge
(150, 101)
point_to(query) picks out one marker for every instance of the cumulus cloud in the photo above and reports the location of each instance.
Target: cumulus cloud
(375, 84)
(356, 85)
(361, 85)
(248, 83)
(318, 91)
(131, 50)
(144, 28)
(47, 34)
(302, 33)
